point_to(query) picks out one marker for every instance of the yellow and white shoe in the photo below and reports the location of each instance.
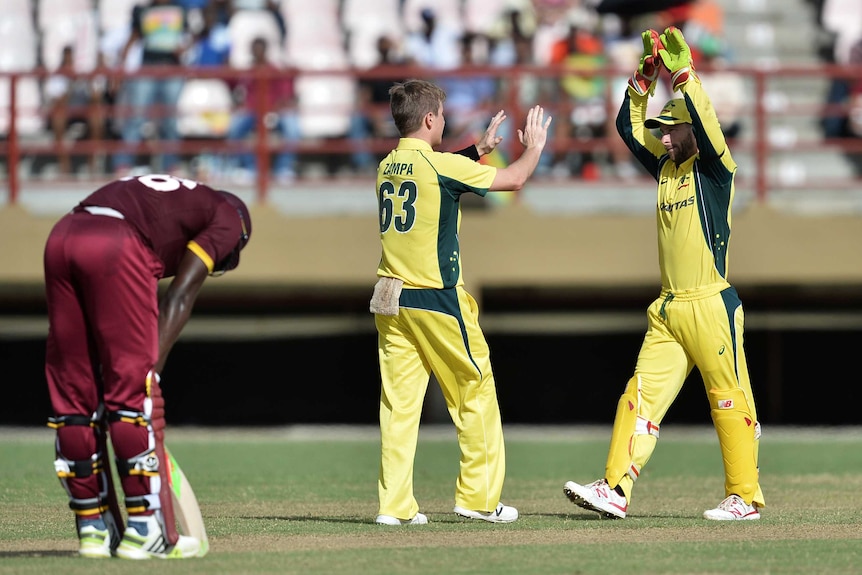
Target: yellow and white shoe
(418, 519)
(94, 539)
(733, 508)
(144, 539)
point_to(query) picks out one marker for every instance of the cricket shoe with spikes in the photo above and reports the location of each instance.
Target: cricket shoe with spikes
(502, 514)
(733, 508)
(418, 519)
(94, 538)
(144, 539)
(598, 496)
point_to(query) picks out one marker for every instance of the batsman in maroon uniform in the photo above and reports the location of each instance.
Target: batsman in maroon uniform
(110, 336)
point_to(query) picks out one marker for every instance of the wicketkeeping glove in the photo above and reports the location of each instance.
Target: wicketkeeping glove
(643, 79)
(676, 56)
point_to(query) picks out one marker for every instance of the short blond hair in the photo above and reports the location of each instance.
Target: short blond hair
(410, 100)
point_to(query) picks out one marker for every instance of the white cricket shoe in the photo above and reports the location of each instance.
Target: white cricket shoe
(94, 539)
(733, 508)
(418, 519)
(599, 497)
(143, 539)
(502, 514)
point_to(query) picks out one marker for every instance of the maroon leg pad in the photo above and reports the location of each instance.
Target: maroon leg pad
(78, 443)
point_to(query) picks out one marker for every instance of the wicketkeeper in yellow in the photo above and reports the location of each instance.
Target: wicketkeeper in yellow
(697, 320)
(426, 321)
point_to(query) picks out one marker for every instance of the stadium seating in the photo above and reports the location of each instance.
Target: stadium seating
(246, 25)
(115, 14)
(313, 27)
(483, 16)
(28, 119)
(204, 108)
(50, 12)
(78, 30)
(325, 102)
(364, 22)
(18, 38)
(447, 12)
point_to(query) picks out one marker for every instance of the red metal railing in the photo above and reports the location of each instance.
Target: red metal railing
(760, 118)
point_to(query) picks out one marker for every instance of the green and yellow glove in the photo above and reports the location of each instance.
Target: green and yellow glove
(643, 79)
(676, 56)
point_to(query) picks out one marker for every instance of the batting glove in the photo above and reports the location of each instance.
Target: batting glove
(643, 79)
(676, 56)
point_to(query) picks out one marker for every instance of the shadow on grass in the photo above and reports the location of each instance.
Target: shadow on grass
(37, 553)
(310, 519)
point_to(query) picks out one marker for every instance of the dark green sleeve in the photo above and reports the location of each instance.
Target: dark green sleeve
(470, 151)
(647, 149)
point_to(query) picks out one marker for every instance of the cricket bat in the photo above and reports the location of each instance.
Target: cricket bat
(186, 507)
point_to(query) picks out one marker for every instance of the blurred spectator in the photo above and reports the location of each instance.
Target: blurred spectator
(194, 13)
(212, 43)
(469, 95)
(728, 91)
(74, 100)
(435, 45)
(842, 19)
(510, 41)
(580, 53)
(111, 45)
(854, 116)
(703, 27)
(272, 93)
(223, 9)
(161, 28)
(372, 118)
(511, 44)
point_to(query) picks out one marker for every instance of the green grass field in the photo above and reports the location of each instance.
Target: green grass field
(303, 500)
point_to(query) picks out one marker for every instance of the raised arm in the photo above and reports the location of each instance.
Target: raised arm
(676, 56)
(533, 137)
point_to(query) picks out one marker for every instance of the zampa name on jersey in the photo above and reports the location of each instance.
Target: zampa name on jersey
(398, 169)
(677, 205)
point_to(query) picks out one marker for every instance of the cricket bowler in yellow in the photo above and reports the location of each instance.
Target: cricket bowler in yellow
(426, 321)
(697, 321)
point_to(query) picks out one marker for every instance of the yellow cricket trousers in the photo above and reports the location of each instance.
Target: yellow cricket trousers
(687, 331)
(438, 331)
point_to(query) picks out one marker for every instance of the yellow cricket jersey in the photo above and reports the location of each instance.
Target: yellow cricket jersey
(418, 197)
(694, 200)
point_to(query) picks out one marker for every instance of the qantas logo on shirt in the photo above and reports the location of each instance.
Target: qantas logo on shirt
(677, 205)
(398, 170)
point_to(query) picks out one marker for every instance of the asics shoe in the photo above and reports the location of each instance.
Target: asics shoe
(599, 497)
(733, 508)
(418, 519)
(502, 514)
(94, 538)
(144, 539)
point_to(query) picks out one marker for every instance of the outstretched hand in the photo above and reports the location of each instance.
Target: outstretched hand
(676, 56)
(674, 50)
(651, 62)
(490, 139)
(535, 132)
(643, 80)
